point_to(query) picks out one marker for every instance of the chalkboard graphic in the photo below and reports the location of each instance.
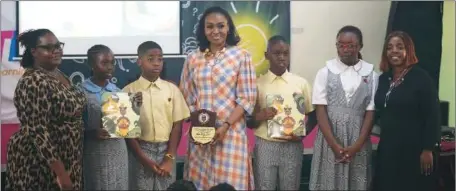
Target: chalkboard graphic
(195, 27)
(78, 70)
(195, 10)
(189, 45)
(113, 80)
(186, 4)
(256, 22)
(132, 60)
(80, 61)
(76, 78)
(119, 63)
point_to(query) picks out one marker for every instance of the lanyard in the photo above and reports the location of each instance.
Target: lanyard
(395, 83)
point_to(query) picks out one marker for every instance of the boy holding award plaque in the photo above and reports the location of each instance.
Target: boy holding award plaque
(105, 156)
(162, 112)
(284, 99)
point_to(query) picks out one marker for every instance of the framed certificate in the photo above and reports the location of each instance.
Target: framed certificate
(290, 115)
(120, 115)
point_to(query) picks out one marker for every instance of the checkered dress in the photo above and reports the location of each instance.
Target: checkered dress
(220, 84)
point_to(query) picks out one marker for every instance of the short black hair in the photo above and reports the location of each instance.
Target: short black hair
(29, 39)
(222, 187)
(354, 30)
(182, 185)
(232, 38)
(145, 46)
(94, 51)
(275, 39)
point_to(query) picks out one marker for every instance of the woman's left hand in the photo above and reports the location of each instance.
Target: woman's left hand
(220, 134)
(426, 160)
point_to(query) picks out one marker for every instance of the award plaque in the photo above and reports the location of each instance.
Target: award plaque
(202, 129)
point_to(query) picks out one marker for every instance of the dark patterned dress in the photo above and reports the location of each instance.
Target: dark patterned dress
(50, 116)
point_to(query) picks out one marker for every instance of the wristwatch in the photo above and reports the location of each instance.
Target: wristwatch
(228, 123)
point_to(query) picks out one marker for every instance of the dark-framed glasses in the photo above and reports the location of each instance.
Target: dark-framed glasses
(52, 47)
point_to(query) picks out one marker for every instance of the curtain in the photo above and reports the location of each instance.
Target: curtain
(423, 22)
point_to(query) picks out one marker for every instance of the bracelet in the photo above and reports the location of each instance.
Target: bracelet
(170, 156)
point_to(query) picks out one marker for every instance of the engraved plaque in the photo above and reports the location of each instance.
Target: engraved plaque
(202, 130)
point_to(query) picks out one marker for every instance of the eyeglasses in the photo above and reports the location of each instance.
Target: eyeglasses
(52, 47)
(348, 46)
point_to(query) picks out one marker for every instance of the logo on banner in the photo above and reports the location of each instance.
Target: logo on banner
(9, 66)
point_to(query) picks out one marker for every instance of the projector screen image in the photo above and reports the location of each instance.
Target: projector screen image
(121, 25)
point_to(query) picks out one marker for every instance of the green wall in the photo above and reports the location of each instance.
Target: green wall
(447, 68)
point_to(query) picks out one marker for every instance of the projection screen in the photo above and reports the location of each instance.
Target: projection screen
(121, 25)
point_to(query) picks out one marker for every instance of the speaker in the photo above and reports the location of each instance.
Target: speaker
(444, 112)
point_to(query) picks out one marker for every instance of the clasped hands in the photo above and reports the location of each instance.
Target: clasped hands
(345, 155)
(162, 169)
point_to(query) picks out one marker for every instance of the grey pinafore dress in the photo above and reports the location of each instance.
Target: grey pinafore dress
(105, 162)
(346, 119)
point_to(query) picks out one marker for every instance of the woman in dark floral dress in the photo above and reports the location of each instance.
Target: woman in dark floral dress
(46, 153)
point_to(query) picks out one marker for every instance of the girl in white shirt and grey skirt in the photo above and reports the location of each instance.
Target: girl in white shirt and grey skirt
(343, 95)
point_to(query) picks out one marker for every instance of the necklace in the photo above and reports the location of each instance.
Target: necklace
(395, 84)
(218, 56)
(53, 73)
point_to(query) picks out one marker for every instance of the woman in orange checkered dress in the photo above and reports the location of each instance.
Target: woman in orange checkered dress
(220, 77)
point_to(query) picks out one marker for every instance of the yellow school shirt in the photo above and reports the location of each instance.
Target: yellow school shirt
(163, 104)
(285, 85)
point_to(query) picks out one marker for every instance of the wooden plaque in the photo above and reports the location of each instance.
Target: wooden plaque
(202, 130)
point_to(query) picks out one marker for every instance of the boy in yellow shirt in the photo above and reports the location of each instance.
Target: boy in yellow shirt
(161, 115)
(278, 162)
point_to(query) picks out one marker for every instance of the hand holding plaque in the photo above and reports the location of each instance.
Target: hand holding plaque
(202, 129)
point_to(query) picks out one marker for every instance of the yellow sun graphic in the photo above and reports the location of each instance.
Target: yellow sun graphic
(254, 32)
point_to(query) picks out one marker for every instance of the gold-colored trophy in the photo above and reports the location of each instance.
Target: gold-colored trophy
(202, 128)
